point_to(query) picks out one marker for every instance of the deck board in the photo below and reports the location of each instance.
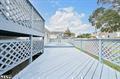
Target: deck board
(66, 62)
(91, 71)
(112, 74)
(105, 73)
(85, 70)
(118, 75)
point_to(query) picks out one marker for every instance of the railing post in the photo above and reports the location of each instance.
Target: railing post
(42, 44)
(31, 48)
(100, 50)
(81, 44)
(31, 37)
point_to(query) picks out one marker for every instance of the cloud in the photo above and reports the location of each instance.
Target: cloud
(68, 17)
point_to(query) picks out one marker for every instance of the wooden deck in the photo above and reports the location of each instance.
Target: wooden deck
(63, 61)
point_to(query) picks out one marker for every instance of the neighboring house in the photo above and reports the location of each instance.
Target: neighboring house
(47, 35)
(57, 35)
(106, 35)
(53, 35)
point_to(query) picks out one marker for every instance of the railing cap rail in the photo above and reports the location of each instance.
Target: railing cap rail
(108, 39)
(13, 40)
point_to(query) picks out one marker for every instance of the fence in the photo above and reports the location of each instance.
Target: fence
(14, 52)
(108, 49)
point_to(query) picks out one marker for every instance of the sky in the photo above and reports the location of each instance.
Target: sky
(62, 14)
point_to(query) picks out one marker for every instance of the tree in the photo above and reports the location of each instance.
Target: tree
(106, 20)
(110, 21)
(68, 33)
(84, 36)
(95, 16)
(108, 1)
(115, 3)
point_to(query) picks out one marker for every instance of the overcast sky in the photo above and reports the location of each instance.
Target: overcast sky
(60, 14)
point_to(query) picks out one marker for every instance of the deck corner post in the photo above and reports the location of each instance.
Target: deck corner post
(100, 50)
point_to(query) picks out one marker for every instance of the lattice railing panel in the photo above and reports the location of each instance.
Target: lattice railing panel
(90, 46)
(14, 52)
(109, 49)
(37, 46)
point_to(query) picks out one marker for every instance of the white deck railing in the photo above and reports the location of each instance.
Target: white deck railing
(14, 52)
(108, 49)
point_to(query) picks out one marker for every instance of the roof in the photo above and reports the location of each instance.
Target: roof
(55, 32)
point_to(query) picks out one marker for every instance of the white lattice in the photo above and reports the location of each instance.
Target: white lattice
(110, 48)
(37, 46)
(14, 52)
(21, 12)
(90, 46)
